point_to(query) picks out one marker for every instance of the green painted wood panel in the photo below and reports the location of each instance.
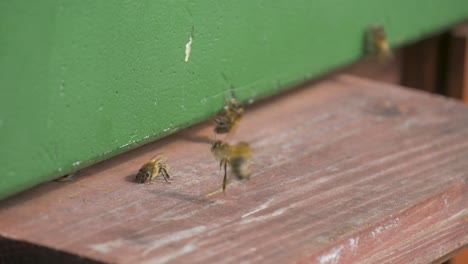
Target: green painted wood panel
(82, 81)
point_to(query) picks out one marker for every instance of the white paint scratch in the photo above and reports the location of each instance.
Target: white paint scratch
(128, 144)
(154, 242)
(188, 49)
(387, 226)
(330, 257)
(174, 237)
(377, 231)
(258, 209)
(353, 244)
(107, 246)
(264, 217)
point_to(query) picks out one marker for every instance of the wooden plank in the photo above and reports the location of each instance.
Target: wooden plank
(375, 69)
(461, 257)
(457, 70)
(344, 170)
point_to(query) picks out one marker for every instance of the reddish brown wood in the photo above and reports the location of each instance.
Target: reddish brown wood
(421, 64)
(344, 171)
(373, 68)
(457, 70)
(461, 257)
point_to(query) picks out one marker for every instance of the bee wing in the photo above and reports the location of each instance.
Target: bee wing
(222, 120)
(242, 150)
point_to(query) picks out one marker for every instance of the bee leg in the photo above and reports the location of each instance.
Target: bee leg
(221, 163)
(165, 175)
(225, 178)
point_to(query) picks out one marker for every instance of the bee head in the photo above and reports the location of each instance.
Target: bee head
(235, 104)
(143, 175)
(236, 107)
(378, 33)
(217, 144)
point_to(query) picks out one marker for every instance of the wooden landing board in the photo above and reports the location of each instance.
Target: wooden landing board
(345, 170)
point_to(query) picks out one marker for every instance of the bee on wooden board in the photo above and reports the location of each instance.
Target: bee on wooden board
(153, 168)
(230, 116)
(377, 43)
(237, 156)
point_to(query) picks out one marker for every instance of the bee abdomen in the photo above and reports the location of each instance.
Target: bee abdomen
(240, 168)
(221, 130)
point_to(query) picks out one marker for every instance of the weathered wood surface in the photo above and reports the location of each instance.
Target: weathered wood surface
(346, 170)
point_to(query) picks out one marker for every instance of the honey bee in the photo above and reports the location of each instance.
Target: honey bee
(229, 117)
(237, 156)
(153, 168)
(66, 178)
(377, 43)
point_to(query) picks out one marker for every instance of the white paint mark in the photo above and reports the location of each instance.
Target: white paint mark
(184, 250)
(264, 217)
(377, 231)
(330, 257)
(188, 49)
(107, 246)
(76, 163)
(154, 242)
(174, 237)
(128, 144)
(353, 244)
(387, 226)
(260, 208)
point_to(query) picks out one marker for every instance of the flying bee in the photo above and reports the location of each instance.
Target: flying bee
(237, 156)
(66, 178)
(229, 117)
(377, 43)
(153, 168)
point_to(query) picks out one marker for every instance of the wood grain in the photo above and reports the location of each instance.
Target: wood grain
(345, 170)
